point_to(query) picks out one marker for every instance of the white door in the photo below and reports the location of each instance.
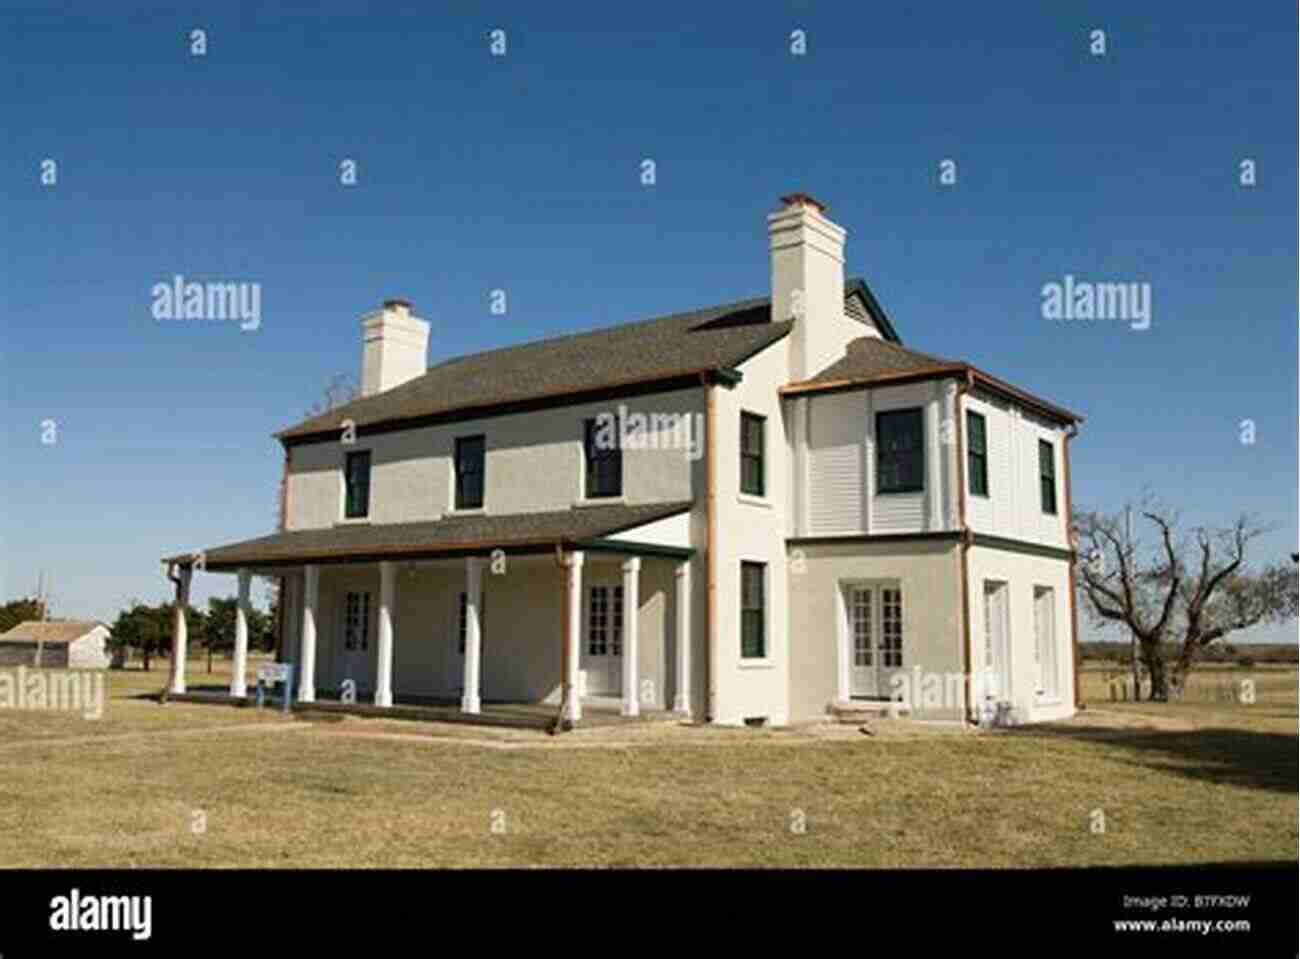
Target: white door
(860, 605)
(875, 633)
(355, 659)
(602, 647)
(996, 673)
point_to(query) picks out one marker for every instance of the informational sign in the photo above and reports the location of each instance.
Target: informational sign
(274, 672)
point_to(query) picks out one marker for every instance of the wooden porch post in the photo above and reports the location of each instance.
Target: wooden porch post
(307, 641)
(631, 608)
(470, 701)
(238, 683)
(180, 634)
(682, 698)
(573, 599)
(384, 653)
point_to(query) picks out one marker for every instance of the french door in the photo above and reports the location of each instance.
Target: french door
(996, 673)
(875, 633)
(602, 648)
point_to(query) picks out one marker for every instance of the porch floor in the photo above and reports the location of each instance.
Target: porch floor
(512, 714)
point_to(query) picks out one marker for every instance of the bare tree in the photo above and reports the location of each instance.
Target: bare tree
(1192, 589)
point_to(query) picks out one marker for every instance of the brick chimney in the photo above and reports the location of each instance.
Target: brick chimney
(808, 282)
(395, 347)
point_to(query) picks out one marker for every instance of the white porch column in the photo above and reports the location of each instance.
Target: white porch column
(384, 653)
(307, 642)
(180, 632)
(631, 609)
(470, 701)
(573, 707)
(682, 700)
(238, 684)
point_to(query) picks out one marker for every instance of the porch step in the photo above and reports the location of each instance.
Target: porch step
(863, 710)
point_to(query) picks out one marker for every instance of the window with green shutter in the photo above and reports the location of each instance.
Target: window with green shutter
(356, 480)
(977, 454)
(752, 429)
(470, 462)
(753, 610)
(1047, 476)
(900, 451)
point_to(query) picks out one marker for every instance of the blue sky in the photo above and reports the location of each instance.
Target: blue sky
(522, 173)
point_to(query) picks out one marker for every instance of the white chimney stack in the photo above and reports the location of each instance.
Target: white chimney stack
(395, 347)
(808, 282)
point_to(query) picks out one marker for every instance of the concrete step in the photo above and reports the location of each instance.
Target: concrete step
(863, 710)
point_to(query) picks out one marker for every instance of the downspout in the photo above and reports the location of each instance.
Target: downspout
(1070, 434)
(959, 414)
(282, 581)
(710, 558)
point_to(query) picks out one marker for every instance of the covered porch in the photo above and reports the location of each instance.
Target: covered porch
(529, 620)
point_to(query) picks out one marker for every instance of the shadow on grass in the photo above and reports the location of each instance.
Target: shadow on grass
(1238, 757)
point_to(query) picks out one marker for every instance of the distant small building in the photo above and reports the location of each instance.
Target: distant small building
(66, 644)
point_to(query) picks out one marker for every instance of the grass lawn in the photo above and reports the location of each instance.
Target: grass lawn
(195, 785)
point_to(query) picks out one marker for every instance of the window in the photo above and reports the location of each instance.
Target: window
(605, 621)
(751, 454)
(356, 479)
(356, 622)
(860, 623)
(462, 622)
(900, 451)
(753, 605)
(469, 472)
(1047, 476)
(1048, 684)
(977, 454)
(604, 459)
(891, 628)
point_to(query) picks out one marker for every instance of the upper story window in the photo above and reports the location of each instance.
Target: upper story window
(752, 466)
(356, 485)
(753, 610)
(603, 458)
(977, 454)
(1047, 476)
(900, 451)
(470, 468)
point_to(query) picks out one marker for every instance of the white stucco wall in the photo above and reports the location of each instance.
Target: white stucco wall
(534, 463)
(1022, 572)
(752, 529)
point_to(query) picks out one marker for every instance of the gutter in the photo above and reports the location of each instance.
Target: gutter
(1070, 434)
(710, 552)
(959, 413)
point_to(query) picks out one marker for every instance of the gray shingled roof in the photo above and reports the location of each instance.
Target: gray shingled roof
(870, 357)
(448, 535)
(683, 344)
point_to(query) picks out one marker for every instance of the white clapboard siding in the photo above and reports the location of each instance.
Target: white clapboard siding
(835, 458)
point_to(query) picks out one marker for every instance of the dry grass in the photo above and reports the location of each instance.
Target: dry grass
(1190, 782)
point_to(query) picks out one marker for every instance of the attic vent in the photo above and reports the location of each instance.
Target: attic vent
(853, 308)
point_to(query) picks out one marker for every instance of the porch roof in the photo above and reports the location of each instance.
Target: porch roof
(579, 528)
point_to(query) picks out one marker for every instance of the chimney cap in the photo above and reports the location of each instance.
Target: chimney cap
(396, 302)
(799, 198)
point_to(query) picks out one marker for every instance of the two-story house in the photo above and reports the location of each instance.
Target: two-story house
(749, 513)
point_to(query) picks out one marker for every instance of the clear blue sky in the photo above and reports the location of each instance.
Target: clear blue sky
(522, 173)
